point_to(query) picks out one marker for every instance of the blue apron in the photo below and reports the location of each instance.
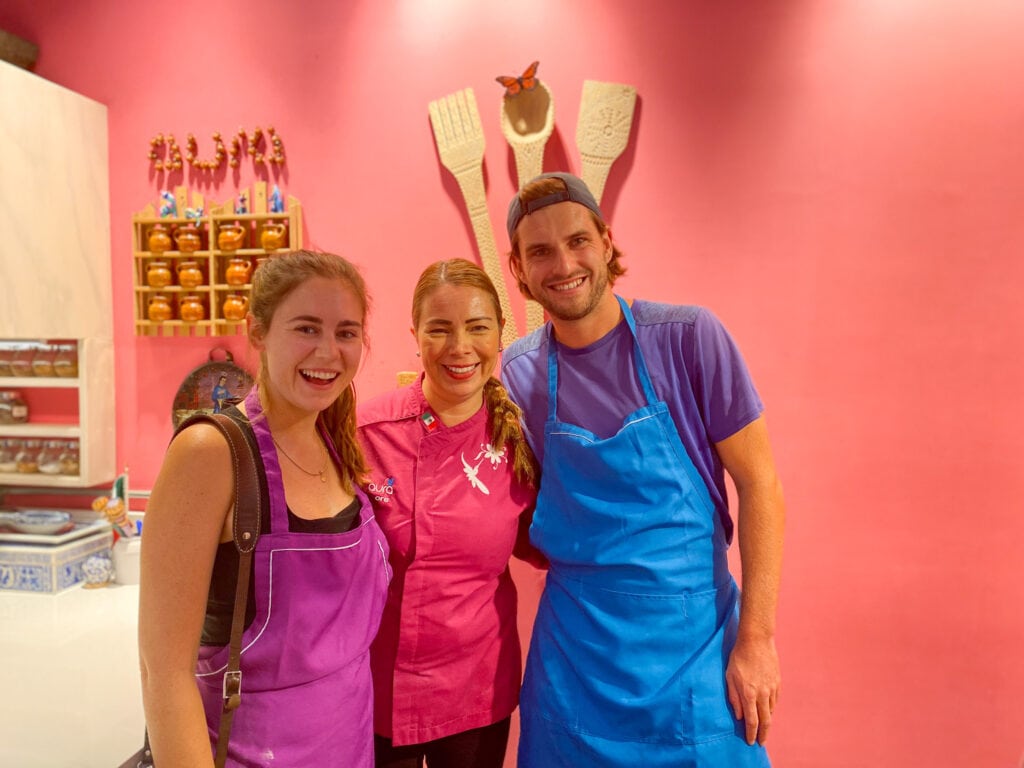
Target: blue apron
(639, 612)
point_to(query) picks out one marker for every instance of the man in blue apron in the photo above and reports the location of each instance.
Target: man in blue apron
(643, 651)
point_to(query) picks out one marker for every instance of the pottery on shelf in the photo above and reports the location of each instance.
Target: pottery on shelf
(235, 307)
(187, 238)
(230, 237)
(159, 240)
(158, 274)
(189, 274)
(190, 308)
(238, 271)
(273, 235)
(159, 308)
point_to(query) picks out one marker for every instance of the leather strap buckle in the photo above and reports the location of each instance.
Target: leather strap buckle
(232, 689)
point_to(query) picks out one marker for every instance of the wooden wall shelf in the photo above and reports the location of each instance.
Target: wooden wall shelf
(212, 260)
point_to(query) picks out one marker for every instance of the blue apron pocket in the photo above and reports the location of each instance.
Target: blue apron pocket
(628, 666)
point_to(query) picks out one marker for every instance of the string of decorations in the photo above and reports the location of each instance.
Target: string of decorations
(241, 143)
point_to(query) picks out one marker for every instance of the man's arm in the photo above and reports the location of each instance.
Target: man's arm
(753, 677)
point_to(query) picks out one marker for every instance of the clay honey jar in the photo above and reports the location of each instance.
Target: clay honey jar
(191, 309)
(189, 274)
(158, 274)
(159, 308)
(273, 235)
(230, 237)
(187, 238)
(158, 240)
(238, 271)
(235, 307)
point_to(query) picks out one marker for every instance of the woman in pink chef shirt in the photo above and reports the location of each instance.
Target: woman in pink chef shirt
(453, 484)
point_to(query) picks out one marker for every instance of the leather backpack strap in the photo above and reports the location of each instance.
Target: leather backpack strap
(250, 507)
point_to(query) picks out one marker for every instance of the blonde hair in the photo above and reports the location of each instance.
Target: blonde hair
(275, 279)
(504, 418)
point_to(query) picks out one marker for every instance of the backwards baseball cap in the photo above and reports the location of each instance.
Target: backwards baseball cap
(575, 192)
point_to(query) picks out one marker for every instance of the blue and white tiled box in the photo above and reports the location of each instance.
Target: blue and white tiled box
(48, 569)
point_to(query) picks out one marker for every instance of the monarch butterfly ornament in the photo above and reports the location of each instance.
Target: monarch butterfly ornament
(525, 82)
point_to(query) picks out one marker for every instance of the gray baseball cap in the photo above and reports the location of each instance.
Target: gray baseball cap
(575, 192)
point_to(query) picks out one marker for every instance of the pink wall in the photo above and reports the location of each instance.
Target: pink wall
(842, 183)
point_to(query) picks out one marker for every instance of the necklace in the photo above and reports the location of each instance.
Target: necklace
(323, 471)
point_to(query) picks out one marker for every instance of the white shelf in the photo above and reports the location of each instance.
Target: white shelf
(41, 431)
(96, 419)
(41, 480)
(37, 382)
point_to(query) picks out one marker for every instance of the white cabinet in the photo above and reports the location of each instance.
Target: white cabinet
(55, 262)
(90, 422)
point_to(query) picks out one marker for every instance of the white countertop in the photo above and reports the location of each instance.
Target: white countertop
(70, 695)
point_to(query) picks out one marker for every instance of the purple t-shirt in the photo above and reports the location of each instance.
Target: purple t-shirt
(695, 367)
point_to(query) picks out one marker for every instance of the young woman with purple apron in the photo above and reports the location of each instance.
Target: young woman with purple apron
(306, 685)
(639, 613)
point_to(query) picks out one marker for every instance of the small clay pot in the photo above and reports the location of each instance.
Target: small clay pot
(238, 271)
(190, 308)
(158, 274)
(159, 308)
(235, 307)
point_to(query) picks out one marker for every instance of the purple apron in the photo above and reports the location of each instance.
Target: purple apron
(307, 694)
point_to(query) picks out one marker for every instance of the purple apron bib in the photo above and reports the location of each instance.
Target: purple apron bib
(307, 694)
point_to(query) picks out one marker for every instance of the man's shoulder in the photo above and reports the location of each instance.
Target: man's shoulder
(660, 313)
(522, 348)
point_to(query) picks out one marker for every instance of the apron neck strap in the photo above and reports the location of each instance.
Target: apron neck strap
(641, 365)
(260, 428)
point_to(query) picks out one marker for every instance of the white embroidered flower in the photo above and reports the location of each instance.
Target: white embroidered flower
(492, 455)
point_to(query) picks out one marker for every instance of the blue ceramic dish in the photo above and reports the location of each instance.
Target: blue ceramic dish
(39, 521)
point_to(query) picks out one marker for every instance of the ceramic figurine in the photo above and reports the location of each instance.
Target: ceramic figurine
(276, 201)
(98, 570)
(170, 206)
(114, 507)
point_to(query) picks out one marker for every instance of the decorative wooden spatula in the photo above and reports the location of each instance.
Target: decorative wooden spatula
(460, 144)
(602, 130)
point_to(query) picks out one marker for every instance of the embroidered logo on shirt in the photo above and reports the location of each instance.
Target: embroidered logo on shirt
(382, 492)
(472, 472)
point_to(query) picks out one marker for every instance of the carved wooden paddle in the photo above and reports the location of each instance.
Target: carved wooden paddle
(602, 130)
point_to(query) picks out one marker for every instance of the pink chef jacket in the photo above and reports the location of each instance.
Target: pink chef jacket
(447, 657)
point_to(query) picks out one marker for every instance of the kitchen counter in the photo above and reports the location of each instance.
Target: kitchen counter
(70, 695)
